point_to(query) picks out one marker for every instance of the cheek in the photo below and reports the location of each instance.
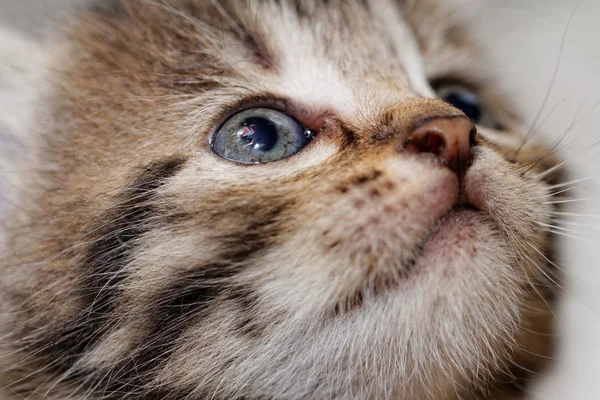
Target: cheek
(516, 146)
(506, 141)
(386, 212)
(465, 250)
(515, 202)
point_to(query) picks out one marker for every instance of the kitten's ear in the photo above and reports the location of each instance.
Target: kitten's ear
(21, 68)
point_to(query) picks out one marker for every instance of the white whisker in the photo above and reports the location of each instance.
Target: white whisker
(568, 200)
(561, 269)
(557, 232)
(579, 224)
(554, 194)
(572, 214)
(552, 80)
(573, 182)
(559, 228)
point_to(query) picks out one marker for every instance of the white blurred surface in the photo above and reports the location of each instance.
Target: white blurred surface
(525, 38)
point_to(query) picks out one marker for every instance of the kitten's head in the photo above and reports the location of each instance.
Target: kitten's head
(265, 199)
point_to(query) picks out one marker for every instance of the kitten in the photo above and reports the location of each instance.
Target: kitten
(266, 200)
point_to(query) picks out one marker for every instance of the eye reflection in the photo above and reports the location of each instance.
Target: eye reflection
(259, 133)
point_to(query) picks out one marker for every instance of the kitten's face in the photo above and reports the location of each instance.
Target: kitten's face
(388, 254)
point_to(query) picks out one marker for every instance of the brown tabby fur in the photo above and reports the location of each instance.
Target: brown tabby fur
(140, 265)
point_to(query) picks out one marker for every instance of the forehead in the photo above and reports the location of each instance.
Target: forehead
(353, 57)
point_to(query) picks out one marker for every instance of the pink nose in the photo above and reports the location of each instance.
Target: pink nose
(449, 139)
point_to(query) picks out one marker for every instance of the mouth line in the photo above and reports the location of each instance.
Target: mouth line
(384, 284)
(418, 252)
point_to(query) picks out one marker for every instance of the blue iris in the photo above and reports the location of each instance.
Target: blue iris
(259, 135)
(465, 101)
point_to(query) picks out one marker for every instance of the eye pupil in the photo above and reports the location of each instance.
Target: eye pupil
(466, 102)
(259, 133)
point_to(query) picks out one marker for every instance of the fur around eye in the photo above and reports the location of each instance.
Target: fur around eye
(259, 135)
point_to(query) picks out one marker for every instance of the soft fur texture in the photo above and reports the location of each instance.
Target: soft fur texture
(138, 264)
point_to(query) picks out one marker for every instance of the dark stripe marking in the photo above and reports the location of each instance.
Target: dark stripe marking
(349, 136)
(101, 269)
(188, 300)
(246, 304)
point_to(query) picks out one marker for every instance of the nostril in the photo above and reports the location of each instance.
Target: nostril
(435, 143)
(449, 139)
(429, 142)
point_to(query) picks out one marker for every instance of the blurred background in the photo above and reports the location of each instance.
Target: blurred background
(546, 54)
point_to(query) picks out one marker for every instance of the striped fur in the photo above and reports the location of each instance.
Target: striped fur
(140, 265)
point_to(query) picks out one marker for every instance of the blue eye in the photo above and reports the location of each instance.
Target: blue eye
(259, 135)
(469, 103)
(465, 101)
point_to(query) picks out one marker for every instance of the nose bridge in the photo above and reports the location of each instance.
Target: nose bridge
(411, 112)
